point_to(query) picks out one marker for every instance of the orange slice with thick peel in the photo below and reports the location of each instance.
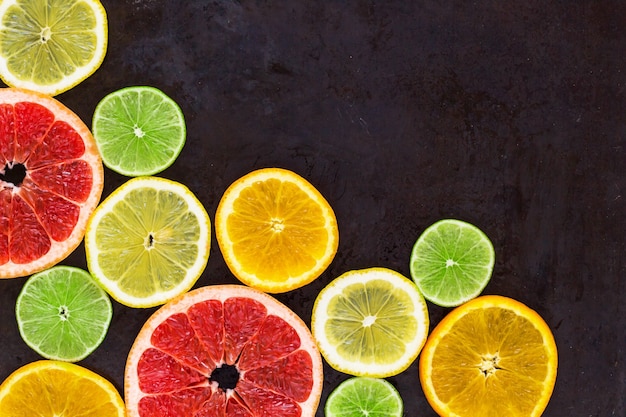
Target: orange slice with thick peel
(491, 357)
(51, 180)
(223, 350)
(275, 230)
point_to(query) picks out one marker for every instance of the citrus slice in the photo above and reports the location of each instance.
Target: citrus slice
(275, 230)
(364, 397)
(52, 388)
(226, 350)
(51, 180)
(452, 262)
(492, 356)
(138, 130)
(51, 46)
(148, 241)
(63, 314)
(370, 322)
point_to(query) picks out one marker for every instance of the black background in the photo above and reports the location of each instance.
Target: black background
(509, 115)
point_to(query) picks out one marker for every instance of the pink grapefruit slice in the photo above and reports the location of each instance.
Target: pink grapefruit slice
(223, 350)
(51, 180)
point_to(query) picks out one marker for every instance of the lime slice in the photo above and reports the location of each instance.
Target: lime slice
(371, 322)
(148, 241)
(452, 262)
(63, 314)
(138, 130)
(50, 46)
(364, 397)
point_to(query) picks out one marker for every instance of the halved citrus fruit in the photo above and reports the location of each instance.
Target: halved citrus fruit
(492, 356)
(364, 397)
(148, 241)
(370, 322)
(139, 130)
(52, 388)
(50, 46)
(51, 180)
(275, 230)
(226, 350)
(452, 262)
(62, 313)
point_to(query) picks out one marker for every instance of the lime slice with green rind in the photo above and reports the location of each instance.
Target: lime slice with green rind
(63, 314)
(364, 397)
(452, 262)
(139, 130)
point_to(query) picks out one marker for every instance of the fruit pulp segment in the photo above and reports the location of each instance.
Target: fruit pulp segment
(55, 39)
(44, 205)
(274, 373)
(55, 392)
(150, 233)
(375, 317)
(277, 230)
(486, 367)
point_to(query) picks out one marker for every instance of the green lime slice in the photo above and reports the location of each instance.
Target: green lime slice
(63, 314)
(139, 131)
(452, 262)
(364, 397)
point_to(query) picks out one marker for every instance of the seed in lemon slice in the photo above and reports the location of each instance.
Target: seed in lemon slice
(371, 322)
(452, 262)
(51, 46)
(51, 180)
(492, 356)
(138, 130)
(63, 314)
(148, 241)
(275, 230)
(364, 397)
(49, 388)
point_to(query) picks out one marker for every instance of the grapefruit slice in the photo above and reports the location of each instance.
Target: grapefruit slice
(51, 180)
(226, 350)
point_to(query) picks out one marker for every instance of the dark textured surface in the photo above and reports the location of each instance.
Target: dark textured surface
(506, 115)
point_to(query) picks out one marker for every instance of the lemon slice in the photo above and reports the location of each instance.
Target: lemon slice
(492, 356)
(148, 241)
(54, 388)
(51, 46)
(371, 322)
(275, 230)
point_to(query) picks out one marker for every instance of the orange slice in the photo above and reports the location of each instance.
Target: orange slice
(223, 350)
(52, 388)
(491, 357)
(51, 179)
(275, 230)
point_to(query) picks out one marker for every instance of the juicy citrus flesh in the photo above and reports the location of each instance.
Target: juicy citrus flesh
(51, 180)
(371, 322)
(53, 388)
(139, 130)
(275, 230)
(51, 45)
(452, 262)
(175, 363)
(492, 356)
(148, 241)
(364, 397)
(63, 314)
